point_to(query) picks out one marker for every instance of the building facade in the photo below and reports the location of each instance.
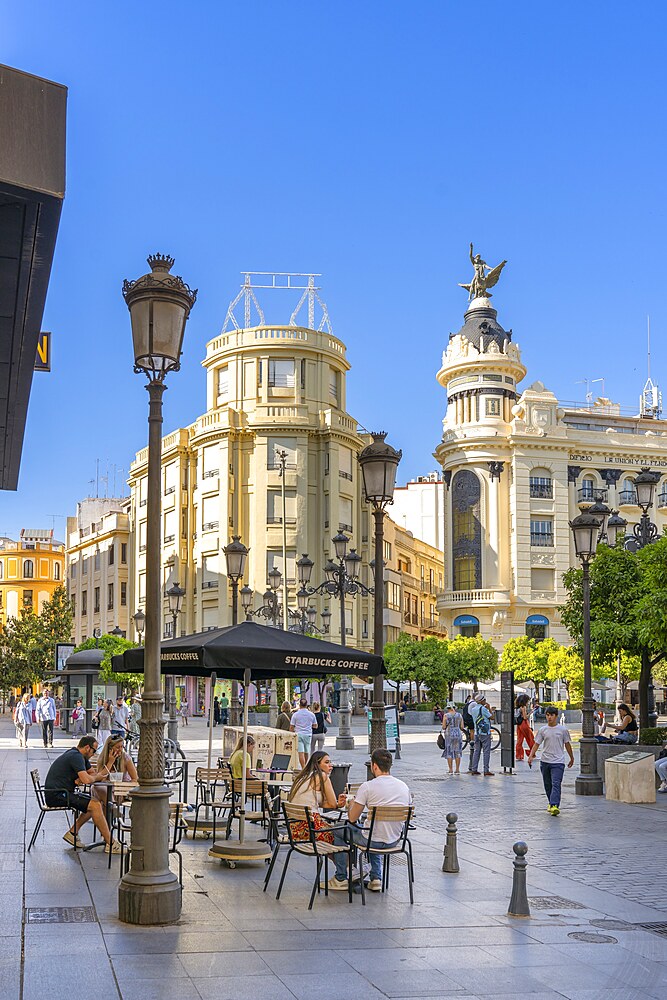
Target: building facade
(98, 567)
(419, 507)
(413, 583)
(30, 570)
(517, 467)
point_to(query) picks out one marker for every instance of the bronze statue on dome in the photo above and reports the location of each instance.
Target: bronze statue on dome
(485, 277)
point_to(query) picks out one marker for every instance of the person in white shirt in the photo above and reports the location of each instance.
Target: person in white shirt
(383, 790)
(554, 740)
(302, 723)
(120, 717)
(46, 714)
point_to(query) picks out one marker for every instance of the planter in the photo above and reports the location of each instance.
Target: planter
(418, 719)
(607, 750)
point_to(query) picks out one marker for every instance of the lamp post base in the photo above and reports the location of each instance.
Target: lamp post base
(345, 743)
(150, 893)
(148, 901)
(588, 784)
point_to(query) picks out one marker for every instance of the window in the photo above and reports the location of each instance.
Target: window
(628, 494)
(542, 533)
(143, 491)
(274, 560)
(2, 570)
(345, 514)
(345, 463)
(123, 552)
(84, 603)
(170, 478)
(211, 460)
(210, 513)
(536, 627)
(334, 386)
(492, 406)
(326, 510)
(281, 444)
(392, 596)
(466, 531)
(281, 374)
(386, 552)
(96, 600)
(56, 571)
(274, 507)
(326, 462)
(123, 593)
(28, 569)
(467, 625)
(303, 373)
(110, 597)
(209, 571)
(112, 554)
(541, 485)
(142, 536)
(84, 566)
(223, 383)
(97, 559)
(27, 600)
(142, 588)
(587, 487)
(72, 602)
(170, 526)
(184, 522)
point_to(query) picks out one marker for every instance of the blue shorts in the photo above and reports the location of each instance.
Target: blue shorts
(303, 742)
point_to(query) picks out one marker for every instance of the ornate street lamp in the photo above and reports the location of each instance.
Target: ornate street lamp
(118, 632)
(643, 534)
(379, 462)
(236, 555)
(616, 526)
(150, 893)
(139, 619)
(585, 532)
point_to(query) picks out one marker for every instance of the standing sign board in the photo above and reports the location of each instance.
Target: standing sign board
(507, 729)
(391, 726)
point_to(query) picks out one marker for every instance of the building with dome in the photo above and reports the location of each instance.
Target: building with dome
(518, 465)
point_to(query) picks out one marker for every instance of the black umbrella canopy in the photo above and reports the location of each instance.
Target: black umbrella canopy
(267, 652)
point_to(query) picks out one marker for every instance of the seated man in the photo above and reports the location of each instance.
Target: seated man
(383, 790)
(69, 769)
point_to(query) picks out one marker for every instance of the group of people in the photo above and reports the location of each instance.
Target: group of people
(475, 718)
(108, 719)
(29, 710)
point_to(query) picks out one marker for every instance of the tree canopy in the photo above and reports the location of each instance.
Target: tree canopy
(439, 664)
(113, 645)
(28, 643)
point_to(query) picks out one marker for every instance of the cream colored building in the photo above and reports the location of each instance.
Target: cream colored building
(98, 567)
(30, 570)
(518, 465)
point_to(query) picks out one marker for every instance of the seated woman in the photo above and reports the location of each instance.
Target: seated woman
(626, 732)
(312, 787)
(113, 765)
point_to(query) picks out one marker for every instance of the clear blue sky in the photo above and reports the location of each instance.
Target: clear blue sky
(367, 141)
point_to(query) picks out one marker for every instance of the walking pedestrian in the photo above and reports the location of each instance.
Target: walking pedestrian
(135, 715)
(46, 714)
(481, 714)
(303, 723)
(78, 720)
(469, 726)
(104, 716)
(452, 730)
(522, 722)
(224, 709)
(554, 740)
(285, 717)
(23, 720)
(185, 710)
(217, 711)
(320, 730)
(119, 717)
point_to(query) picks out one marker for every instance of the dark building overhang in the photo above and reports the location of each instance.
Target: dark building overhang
(32, 188)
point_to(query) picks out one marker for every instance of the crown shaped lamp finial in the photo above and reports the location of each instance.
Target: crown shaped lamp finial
(160, 262)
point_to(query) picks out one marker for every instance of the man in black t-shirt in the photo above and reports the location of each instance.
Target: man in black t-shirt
(68, 770)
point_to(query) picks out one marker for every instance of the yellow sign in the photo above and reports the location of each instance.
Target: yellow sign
(43, 358)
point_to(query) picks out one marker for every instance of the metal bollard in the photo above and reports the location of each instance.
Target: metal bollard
(519, 902)
(397, 751)
(451, 859)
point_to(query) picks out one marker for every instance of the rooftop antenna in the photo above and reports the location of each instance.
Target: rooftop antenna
(650, 401)
(599, 380)
(589, 394)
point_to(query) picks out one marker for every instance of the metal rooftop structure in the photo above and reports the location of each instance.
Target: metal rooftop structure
(291, 281)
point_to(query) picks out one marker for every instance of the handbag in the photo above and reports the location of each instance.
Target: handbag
(441, 741)
(300, 829)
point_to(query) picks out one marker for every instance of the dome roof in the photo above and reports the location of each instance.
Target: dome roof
(480, 326)
(84, 659)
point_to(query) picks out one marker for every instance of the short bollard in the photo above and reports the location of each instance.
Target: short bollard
(519, 902)
(451, 859)
(397, 751)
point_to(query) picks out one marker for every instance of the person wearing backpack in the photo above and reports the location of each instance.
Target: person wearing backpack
(522, 723)
(481, 715)
(469, 725)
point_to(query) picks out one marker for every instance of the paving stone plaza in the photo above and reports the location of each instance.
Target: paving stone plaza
(597, 876)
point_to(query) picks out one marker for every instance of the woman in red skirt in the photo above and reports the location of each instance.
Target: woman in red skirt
(522, 722)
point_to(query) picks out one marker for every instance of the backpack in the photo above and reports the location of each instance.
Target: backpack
(518, 717)
(467, 717)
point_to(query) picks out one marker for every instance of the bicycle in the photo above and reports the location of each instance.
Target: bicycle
(495, 739)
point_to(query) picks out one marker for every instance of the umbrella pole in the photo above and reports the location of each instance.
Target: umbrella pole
(246, 685)
(210, 721)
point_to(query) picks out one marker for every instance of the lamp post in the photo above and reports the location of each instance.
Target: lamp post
(645, 533)
(342, 579)
(149, 893)
(379, 462)
(139, 619)
(118, 632)
(585, 531)
(235, 556)
(175, 595)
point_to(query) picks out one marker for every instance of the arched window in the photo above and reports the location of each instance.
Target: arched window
(466, 531)
(28, 569)
(536, 626)
(587, 488)
(628, 494)
(467, 624)
(541, 484)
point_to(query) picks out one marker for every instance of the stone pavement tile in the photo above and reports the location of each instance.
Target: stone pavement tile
(170, 942)
(434, 937)
(187, 942)
(62, 939)
(643, 943)
(318, 940)
(607, 955)
(538, 995)
(412, 982)
(227, 964)
(158, 989)
(482, 979)
(10, 972)
(262, 923)
(134, 967)
(447, 959)
(523, 955)
(296, 961)
(346, 986)
(238, 988)
(572, 974)
(576, 993)
(39, 979)
(385, 960)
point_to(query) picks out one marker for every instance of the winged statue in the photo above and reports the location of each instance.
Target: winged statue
(485, 277)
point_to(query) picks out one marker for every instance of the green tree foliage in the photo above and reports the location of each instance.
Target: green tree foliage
(27, 649)
(113, 645)
(439, 664)
(473, 659)
(528, 658)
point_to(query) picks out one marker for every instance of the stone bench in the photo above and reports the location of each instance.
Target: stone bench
(607, 750)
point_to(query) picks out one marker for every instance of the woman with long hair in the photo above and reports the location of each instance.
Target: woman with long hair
(452, 731)
(312, 787)
(104, 719)
(626, 731)
(113, 764)
(23, 720)
(522, 722)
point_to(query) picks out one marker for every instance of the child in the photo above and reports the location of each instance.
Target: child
(554, 739)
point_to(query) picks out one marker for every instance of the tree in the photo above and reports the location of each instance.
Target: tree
(528, 658)
(113, 645)
(29, 641)
(410, 661)
(473, 659)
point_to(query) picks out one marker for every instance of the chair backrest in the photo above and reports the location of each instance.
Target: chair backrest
(253, 787)
(39, 791)
(299, 821)
(390, 814)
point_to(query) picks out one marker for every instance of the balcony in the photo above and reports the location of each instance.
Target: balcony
(590, 494)
(210, 525)
(209, 584)
(168, 539)
(274, 466)
(279, 520)
(210, 473)
(456, 597)
(345, 475)
(627, 498)
(432, 625)
(169, 489)
(142, 548)
(142, 503)
(410, 619)
(544, 540)
(344, 527)
(661, 501)
(541, 491)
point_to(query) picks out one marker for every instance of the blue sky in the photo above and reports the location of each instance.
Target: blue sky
(370, 142)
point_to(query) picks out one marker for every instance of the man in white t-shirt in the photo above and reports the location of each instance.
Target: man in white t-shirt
(383, 790)
(302, 723)
(554, 740)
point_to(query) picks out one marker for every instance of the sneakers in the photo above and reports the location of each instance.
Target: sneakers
(554, 810)
(663, 787)
(334, 884)
(115, 848)
(375, 885)
(71, 839)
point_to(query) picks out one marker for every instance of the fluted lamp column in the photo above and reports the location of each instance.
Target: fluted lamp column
(235, 556)
(175, 596)
(379, 462)
(150, 893)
